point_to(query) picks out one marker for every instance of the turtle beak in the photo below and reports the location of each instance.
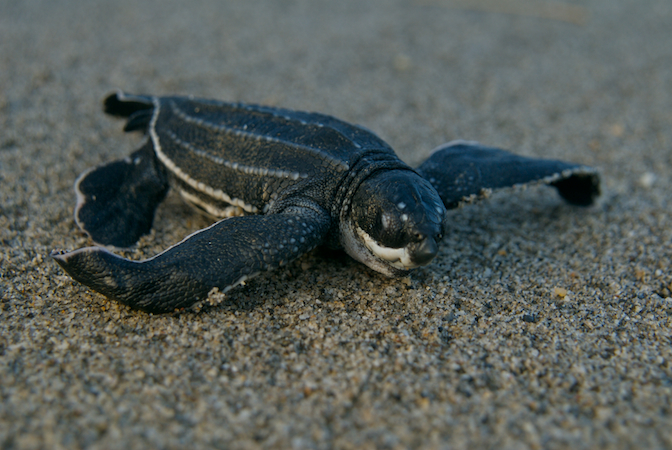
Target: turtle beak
(424, 251)
(428, 235)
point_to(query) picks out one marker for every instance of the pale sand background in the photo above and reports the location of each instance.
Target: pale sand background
(475, 351)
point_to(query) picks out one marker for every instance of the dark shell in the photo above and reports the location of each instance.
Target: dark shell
(251, 156)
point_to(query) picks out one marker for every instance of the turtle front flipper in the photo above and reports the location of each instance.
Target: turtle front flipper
(220, 256)
(116, 202)
(463, 171)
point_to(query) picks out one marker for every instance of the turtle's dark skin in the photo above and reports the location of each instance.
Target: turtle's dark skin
(282, 182)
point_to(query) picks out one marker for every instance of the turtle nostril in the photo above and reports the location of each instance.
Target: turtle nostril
(425, 251)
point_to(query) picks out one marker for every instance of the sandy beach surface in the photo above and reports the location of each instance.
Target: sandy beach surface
(539, 325)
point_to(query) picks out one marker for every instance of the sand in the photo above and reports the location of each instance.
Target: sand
(539, 325)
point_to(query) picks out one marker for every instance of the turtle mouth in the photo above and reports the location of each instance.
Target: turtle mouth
(404, 258)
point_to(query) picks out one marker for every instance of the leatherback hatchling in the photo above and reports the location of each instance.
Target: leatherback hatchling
(281, 182)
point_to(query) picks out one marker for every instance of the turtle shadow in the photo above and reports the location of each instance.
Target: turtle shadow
(278, 287)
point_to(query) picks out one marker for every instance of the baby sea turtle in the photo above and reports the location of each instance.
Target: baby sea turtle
(282, 182)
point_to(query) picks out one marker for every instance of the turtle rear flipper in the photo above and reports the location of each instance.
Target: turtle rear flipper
(221, 256)
(462, 171)
(116, 202)
(138, 108)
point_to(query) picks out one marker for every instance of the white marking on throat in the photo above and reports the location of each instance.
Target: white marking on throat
(397, 257)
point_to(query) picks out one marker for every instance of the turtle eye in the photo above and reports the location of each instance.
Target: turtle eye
(385, 221)
(399, 226)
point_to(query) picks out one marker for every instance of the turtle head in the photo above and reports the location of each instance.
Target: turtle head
(396, 222)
